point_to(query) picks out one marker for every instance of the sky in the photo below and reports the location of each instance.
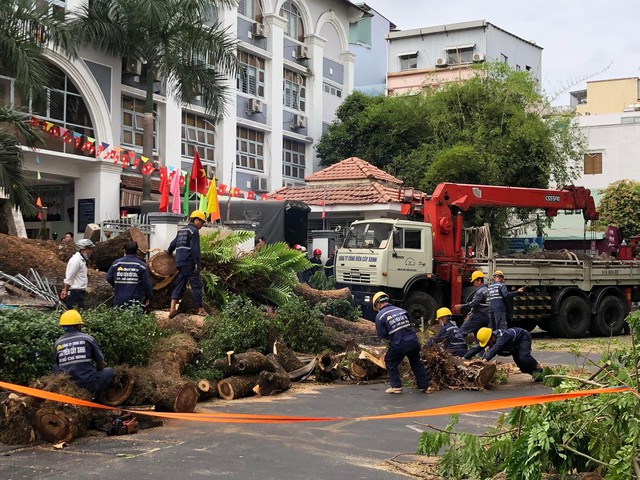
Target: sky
(582, 39)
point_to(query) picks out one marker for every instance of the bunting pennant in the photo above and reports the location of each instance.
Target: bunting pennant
(213, 207)
(37, 159)
(222, 189)
(164, 190)
(185, 206)
(39, 205)
(175, 191)
(203, 203)
(38, 176)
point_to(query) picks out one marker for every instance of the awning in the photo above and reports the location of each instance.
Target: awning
(464, 46)
(412, 53)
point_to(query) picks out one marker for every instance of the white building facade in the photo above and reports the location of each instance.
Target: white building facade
(296, 68)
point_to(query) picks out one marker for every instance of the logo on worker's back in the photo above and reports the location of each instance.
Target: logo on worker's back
(552, 198)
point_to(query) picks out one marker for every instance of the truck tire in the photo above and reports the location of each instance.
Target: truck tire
(609, 320)
(574, 318)
(420, 305)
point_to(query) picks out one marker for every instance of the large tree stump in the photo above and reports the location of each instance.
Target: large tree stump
(182, 397)
(120, 388)
(314, 296)
(61, 423)
(242, 363)
(166, 392)
(16, 420)
(237, 387)
(109, 251)
(449, 372)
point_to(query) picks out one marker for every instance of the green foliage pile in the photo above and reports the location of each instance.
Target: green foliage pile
(320, 281)
(342, 308)
(579, 435)
(267, 275)
(300, 326)
(620, 206)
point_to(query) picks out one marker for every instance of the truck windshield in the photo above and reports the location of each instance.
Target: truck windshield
(368, 235)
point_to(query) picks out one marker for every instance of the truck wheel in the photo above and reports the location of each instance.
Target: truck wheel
(421, 307)
(573, 319)
(609, 320)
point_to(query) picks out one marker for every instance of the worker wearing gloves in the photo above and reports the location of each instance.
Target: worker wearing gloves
(79, 356)
(189, 262)
(76, 280)
(129, 277)
(498, 293)
(514, 342)
(449, 335)
(479, 304)
(393, 324)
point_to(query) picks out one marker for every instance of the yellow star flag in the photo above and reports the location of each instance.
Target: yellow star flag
(213, 208)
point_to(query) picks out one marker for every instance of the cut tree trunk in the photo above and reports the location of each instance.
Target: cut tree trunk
(182, 398)
(207, 388)
(237, 387)
(328, 367)
(314, 296)
(192, 325)
(363, 369)
(286, 356)
(242, 363)
(166, 392)
(363, 328)
(109, 251)
(449, 372)
(271, 382)
(339, 340)
(120, 388)
(376, 359)
(61, 423)
(171, 354)
(16, 420)
(163, 265)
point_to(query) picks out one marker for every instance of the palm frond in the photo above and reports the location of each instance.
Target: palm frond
(18, 122)
(278, 293)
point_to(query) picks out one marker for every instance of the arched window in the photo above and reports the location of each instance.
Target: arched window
(295, 27)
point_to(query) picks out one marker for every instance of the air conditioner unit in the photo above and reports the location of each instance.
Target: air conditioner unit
(298, 121)
(441, 62)
(258, 30)
(133, 66)
(302, 52)
(254, 106)
(260, 184)
(478, 57)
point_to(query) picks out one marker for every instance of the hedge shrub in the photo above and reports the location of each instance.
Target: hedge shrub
(300, 326)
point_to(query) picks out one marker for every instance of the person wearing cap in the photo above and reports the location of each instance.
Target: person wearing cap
(79, 356)
(480, 312)
(498, 293)
(393, 324)
(76, 280)
(514, 342)
(189, 262)
(129, 277)
(449, 335)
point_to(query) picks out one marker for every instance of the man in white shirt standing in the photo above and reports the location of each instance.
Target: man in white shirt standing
(75, 279)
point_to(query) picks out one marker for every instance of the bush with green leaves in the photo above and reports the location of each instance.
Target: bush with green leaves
(342, 308)
(320, 281)
(300, 326)
(26, 344)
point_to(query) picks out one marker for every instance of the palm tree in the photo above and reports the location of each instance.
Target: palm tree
(26, 30)
(170, 39)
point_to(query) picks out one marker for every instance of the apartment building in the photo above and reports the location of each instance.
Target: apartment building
(445, 53)
(296, 69)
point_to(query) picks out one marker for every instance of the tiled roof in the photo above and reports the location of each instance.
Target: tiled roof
(339, 194)
(133, 181)
(352, 168)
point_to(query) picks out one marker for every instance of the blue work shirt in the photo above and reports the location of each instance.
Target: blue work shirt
(506, 341)
(187, 247)
(393, 324)
(479, 303)
(498, 293)
(129, 276)
(75, 353)
(451, 339)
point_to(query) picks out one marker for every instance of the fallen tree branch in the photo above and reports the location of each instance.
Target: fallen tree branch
(577, 379)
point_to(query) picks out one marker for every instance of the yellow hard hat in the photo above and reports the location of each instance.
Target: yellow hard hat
(477, 274)
(498, 273)
(378, 298)
(71, 317)
(443, 312)
(198, 214)
(484, 335)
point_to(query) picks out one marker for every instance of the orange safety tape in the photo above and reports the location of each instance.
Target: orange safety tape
(215, 417)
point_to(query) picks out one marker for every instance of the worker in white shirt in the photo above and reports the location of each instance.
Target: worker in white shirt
(75, 279)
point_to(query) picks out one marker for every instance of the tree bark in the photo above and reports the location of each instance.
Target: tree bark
(61, 423)
(182, 398)
(171, 354)
(166, 392)
(363, 369)
(237, 387)
(314, 296)
(275, 381)
(449, 372)
(190, 324)
(285, 355)
(339, 340)
(16, 420)
(120, 388)
(109, 251)
(207, 388)
(363, 328)
(243, 363)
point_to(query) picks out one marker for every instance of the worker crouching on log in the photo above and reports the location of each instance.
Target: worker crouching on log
(79, 356)
(449, 336)
(189, 262)
(393, 324)
(514, 342)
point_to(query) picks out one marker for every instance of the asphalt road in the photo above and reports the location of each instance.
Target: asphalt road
(337, 449)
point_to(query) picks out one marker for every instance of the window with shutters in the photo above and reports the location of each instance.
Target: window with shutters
(250, 149)
(593, 163)
(251, 74)
(294, 90)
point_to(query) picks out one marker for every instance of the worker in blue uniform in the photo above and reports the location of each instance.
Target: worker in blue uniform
(393, 324)
(514, 342)
(79, 356)
(479, 304)
(498, 293)
(189, 262)
(129, 277)
(449, 335)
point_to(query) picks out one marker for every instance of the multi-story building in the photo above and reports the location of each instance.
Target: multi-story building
(445, 53)
(296, 68)
(602, 97)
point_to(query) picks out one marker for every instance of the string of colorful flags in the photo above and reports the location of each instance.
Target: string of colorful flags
(172, 180)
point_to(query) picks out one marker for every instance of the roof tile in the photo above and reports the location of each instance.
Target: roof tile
(352, 168)
(339, 194)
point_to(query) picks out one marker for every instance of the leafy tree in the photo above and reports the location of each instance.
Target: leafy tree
(620, 206)
(171, 39)
(27, 28)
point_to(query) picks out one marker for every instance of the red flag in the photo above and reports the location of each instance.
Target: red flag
(39, 204)
(164, 190)
(198, 180)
